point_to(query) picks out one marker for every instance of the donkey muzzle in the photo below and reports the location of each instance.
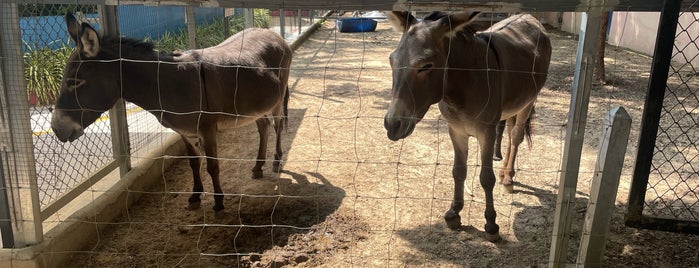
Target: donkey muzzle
(65, 128)
(398, 128)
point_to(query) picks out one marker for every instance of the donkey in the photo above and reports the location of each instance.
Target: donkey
(477, 79)
(196, 92)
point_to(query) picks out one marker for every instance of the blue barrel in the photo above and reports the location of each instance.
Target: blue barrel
(353, 25)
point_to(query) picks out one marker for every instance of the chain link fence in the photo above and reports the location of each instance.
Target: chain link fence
(59, 166)
(673, 188)
(667, 197)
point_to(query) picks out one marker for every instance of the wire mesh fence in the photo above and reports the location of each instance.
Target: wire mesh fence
(346, 196)
(46, 46)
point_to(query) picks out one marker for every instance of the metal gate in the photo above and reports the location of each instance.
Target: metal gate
(664, 192)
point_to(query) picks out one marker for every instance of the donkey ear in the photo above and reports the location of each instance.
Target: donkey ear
(401, 20)
(89, 41)
(72, 26)
(454, 23)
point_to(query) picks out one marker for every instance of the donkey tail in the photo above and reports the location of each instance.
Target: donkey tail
(528, 128)
(285, 117)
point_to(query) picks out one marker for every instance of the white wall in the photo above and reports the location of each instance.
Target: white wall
(637, 31)
(634, 30)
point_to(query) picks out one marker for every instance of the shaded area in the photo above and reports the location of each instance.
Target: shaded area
(260, 214)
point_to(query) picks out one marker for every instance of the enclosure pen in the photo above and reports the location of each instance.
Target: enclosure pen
(373, 166)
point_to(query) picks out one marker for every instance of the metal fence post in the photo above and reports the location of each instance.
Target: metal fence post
(300, 21)
(282, 22)
(662, 57)
(575, 134)
(117, 115)
(610, 162)
(8, 238)
(16, 142)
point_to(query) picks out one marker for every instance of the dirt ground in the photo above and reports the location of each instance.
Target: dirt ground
(347, 196)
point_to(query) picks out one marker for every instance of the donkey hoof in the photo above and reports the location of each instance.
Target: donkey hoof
(510, 188)
(256, 174)
(493, 237)
(193, 205)
(219, 214)
(453, 220)
(497, 157)
(276, 167)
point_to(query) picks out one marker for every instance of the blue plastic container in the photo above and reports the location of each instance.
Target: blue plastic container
(354, 25)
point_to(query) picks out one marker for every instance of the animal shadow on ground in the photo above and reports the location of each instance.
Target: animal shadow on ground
(261, 214)
(269, 219)
(527, 244)
(272, 211)
(533, 225)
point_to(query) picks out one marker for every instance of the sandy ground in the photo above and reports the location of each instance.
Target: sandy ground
(347, 196)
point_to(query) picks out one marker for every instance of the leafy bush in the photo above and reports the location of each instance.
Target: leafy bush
(213, 33)
(43, 71)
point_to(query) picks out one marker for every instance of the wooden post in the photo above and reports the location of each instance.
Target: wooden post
(226, 24)
(16, 144)
(190, 20)
(249, 18)
(117, 115)
(575, 134)
(610, 162)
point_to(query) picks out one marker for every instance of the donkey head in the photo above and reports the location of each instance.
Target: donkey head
(419, 64)
(90, 83)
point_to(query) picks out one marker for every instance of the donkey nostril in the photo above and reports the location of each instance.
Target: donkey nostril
(394, 128)
(391, 125)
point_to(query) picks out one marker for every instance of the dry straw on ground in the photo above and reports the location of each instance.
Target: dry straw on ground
(349, 196)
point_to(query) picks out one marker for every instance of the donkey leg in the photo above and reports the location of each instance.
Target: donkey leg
(460, 144)
(195, 164)
(263, 130)
(504, 179)
(516, 138)
(210, 143)
(499, 129)
(279, 122)
(487, 179)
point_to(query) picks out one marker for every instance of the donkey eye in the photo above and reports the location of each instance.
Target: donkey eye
(425, 67)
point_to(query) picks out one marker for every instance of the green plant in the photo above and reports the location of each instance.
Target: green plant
(206, 35)
(261, 18)
(211, 34)
(43, 71)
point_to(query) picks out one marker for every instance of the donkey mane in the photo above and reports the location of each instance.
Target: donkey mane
(436, 15)
(132, 48)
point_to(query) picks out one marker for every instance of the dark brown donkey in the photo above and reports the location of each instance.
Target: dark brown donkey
(478, 79)
(195, 92)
